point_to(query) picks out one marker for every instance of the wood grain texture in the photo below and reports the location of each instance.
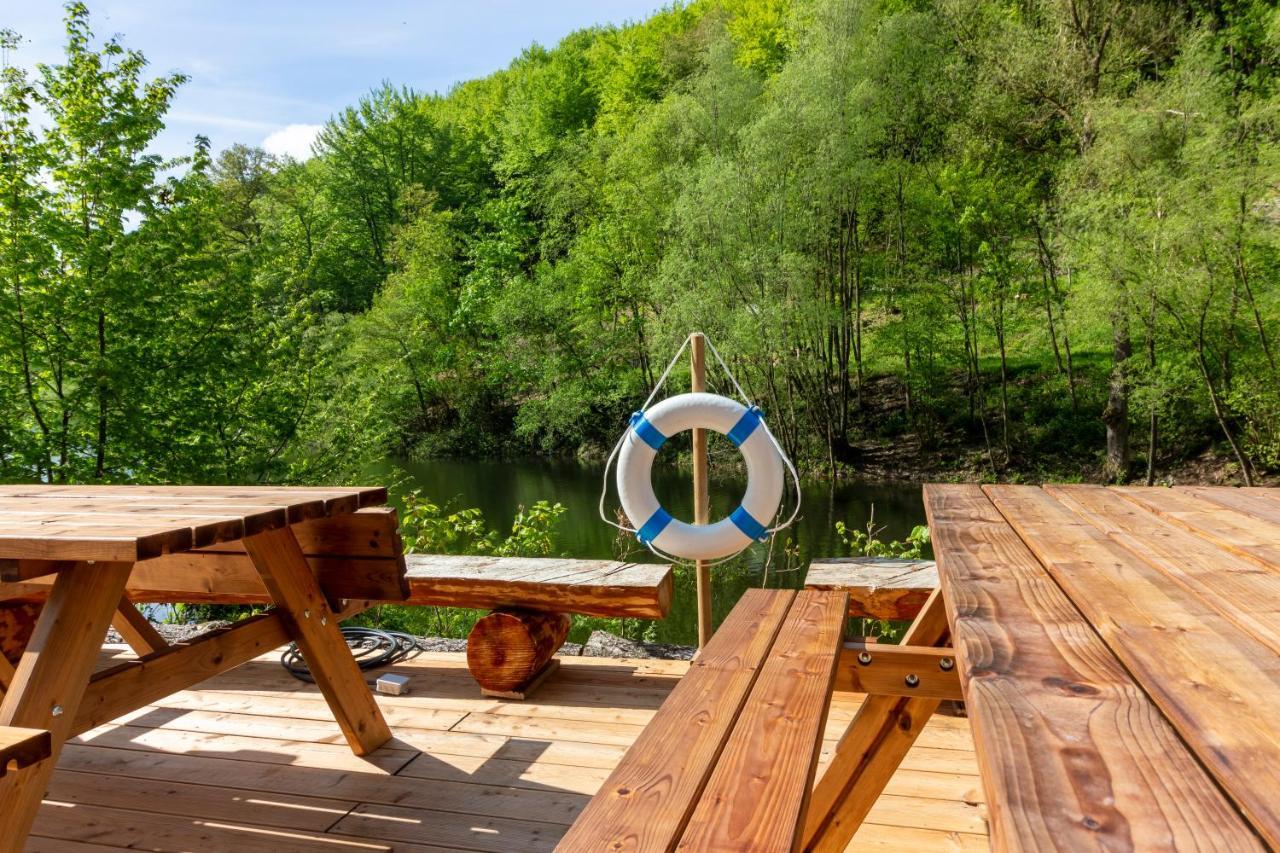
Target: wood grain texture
(50, 680)
(312, 625)
(133, 523)
(590, 587)
(21, 748)
(648, 799)
(1217, 685)
(878, 587)
(1250, 536)
(756, 797)
(507, 648)
(1073, 754)
(884, 669)
(871, 748)
(1238, 588)
(202, 776)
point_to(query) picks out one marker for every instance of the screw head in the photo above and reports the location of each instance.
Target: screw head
(306, 614)
(56, 710)
(324, 620)
(913, 680)
(864, 658)
(946, 664)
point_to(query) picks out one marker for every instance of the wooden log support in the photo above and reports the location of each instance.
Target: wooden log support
(871, 748)
(314, 627)
(887, 670)
(509, 648)
(21, 748)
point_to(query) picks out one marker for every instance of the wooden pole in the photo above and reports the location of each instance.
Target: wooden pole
(701, 495)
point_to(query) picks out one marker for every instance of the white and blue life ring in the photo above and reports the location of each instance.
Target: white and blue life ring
(741, 425)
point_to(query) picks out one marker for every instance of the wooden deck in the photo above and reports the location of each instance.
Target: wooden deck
(252, 761)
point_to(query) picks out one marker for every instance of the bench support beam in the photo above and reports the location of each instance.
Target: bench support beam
(872, 747)
(888, 670)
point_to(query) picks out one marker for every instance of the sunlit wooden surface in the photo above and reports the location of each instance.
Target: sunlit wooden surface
(252, 761)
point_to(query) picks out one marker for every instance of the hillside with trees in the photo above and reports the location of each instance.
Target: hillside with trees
(970, 238)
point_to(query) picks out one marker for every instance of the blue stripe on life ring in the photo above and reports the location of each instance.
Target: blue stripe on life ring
(656, 524)
(742, 519)
(745, 426)
(647, 432)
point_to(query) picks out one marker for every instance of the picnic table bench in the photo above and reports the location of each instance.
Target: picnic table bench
(729, 760)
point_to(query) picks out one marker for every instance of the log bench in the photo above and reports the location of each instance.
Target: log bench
(728, 761)
(878, 587)
(511, 650)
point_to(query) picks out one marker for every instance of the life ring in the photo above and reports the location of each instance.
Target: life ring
(743, 426)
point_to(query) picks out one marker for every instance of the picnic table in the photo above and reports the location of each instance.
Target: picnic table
(84, 552)
(1119, 653)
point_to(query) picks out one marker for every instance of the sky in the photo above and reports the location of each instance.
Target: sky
(271, 72)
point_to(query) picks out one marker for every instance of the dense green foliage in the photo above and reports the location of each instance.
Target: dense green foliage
(1035, 237)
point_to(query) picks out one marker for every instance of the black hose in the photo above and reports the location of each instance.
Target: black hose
(371, 647)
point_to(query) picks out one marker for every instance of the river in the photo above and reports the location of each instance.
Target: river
(498, 489)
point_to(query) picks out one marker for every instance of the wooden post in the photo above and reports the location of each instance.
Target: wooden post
(701, 495)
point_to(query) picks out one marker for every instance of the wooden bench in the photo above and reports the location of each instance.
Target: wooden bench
(729, 760)
(21, 747)
(878, 587)
(511, 650)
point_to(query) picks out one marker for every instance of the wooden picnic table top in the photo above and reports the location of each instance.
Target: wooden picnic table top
(1119, 652)
(131, 523)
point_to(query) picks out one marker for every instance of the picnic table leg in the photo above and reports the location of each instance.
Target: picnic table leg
(51, 678)
(313, 626)
(871, 748)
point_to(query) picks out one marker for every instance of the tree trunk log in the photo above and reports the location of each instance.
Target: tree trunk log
(507, 648)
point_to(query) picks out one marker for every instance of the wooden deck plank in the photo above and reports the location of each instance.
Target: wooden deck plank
(1218, 686)
(280, 757)
(1078, 756)
(755, 798)
(647, 801)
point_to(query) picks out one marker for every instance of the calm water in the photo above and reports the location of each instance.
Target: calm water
(498, 489)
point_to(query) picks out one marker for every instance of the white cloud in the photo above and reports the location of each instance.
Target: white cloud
(294, 140)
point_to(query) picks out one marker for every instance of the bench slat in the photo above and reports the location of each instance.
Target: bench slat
(756, 797)
(648, 799)
(23, 747)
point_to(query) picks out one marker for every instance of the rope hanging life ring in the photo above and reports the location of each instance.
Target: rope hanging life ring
(748, 523)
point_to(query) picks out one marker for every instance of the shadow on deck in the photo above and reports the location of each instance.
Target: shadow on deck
(252, 761)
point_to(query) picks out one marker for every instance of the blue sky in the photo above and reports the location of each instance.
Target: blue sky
(270, 72)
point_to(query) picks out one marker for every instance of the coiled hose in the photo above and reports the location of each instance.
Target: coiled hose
(371, 647)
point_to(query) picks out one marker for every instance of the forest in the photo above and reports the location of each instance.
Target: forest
(951, 238)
